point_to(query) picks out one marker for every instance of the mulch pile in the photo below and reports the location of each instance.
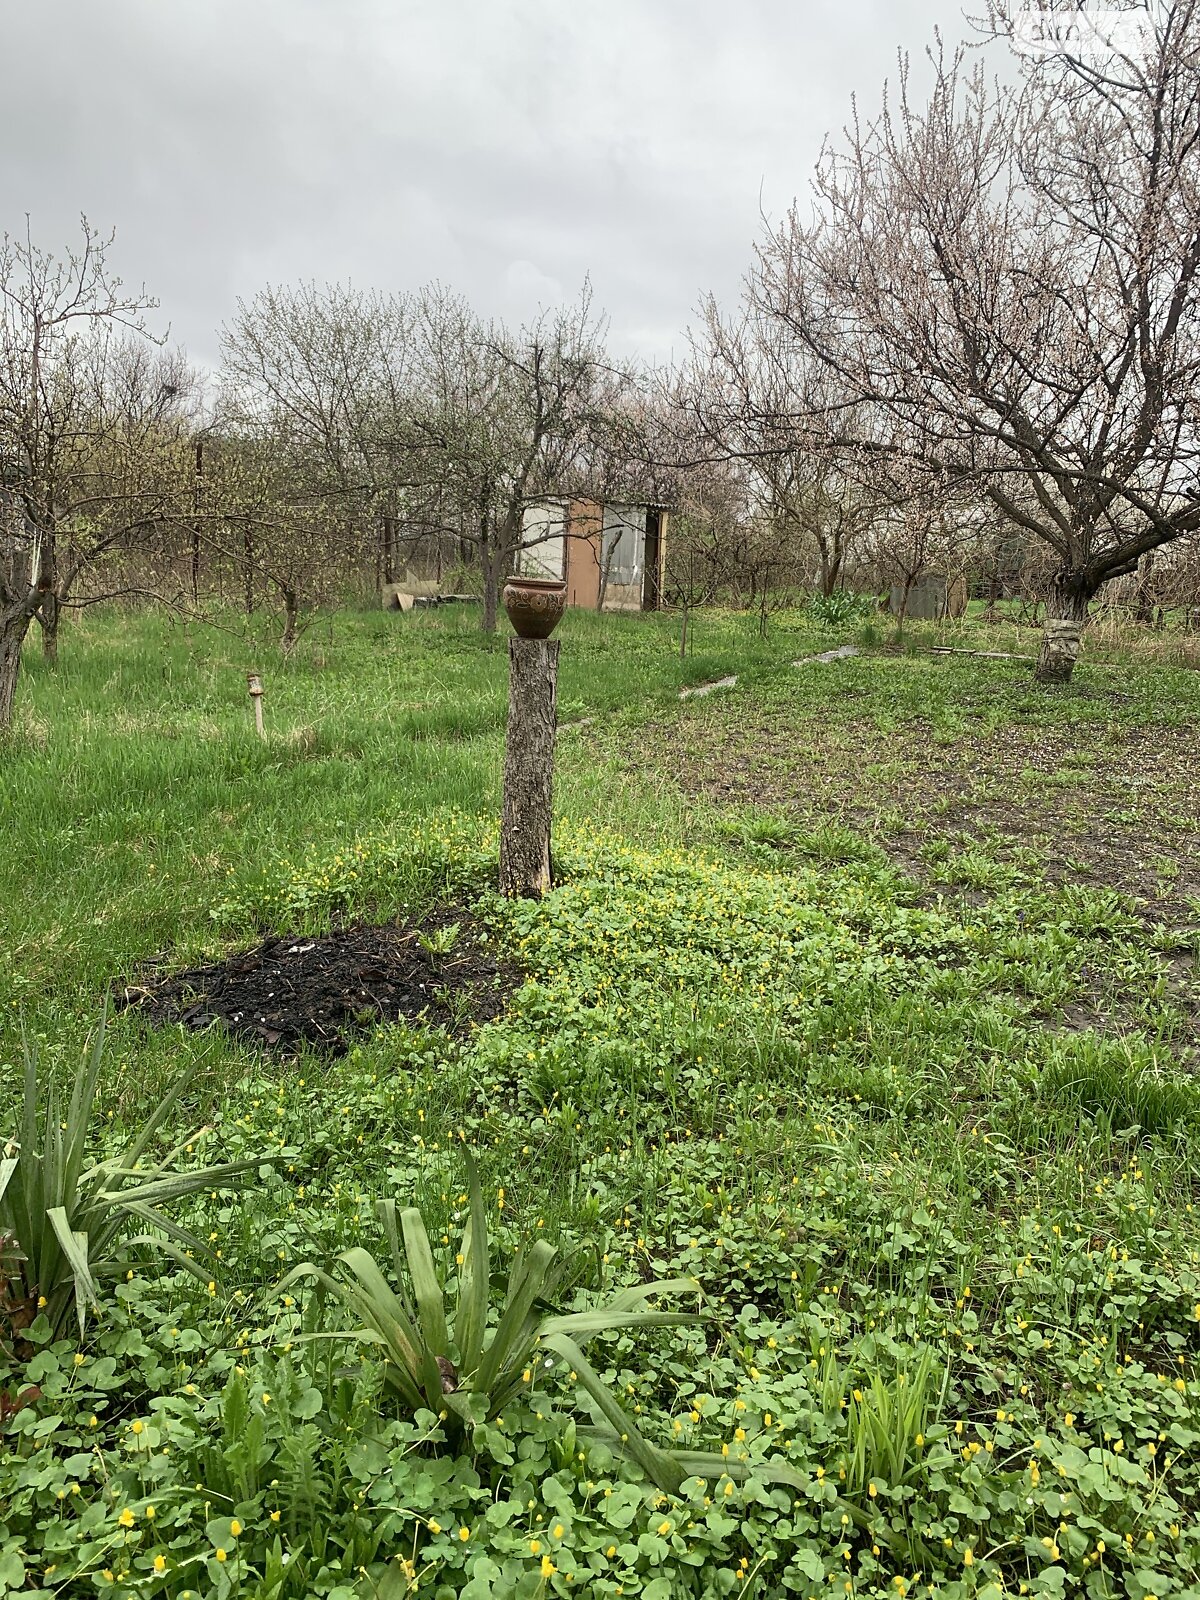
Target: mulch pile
(294, 990)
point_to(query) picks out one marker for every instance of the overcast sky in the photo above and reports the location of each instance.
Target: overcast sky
(507, 147)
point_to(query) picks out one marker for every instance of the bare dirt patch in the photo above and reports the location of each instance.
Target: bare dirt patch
(296, 989)
(1101, 804)
(970, 806)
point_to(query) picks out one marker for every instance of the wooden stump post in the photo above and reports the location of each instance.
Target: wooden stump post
(528, 768)
(256, 694)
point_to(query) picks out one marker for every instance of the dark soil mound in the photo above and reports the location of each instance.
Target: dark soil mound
(291, 990)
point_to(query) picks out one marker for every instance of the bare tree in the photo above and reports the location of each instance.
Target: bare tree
(501, 420)
(1166, 581)
(19, 590)
(1010, 273)
(278, 542)
(758, 396)
(89, 416)
(700, 538)
(927, 528)
(414, 417)
(323, 372)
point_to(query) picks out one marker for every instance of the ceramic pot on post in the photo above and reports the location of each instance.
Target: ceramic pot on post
(534, 605)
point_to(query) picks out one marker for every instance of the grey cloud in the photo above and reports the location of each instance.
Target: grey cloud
(508, 147)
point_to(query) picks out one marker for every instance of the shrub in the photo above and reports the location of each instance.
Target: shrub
(840, 609)
(450, 1359)
(64, 1223)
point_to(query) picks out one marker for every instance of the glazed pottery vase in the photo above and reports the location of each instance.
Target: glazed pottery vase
(534, 605)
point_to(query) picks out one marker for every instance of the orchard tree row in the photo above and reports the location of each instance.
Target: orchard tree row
(974, 347)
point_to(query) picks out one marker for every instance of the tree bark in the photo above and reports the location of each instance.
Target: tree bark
(902, 614)
(14, 625)
(492, 563)
(993, 597)
(48, 615)
(1066, 615)
(387, 549)
(290, 631)
(1144, 604)
(197, 505)
(528, 768)
(830, 555)
(48, 592)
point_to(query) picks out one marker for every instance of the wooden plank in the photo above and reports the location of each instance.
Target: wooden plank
(986, 655)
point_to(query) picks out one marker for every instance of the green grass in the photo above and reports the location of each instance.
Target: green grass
(915, 1106)
(134, 782)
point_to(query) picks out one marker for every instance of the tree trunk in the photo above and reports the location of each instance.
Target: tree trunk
(492, 562)
(197, 506)
(248, 569)
(387, 552)
(1066, 614)
(290, 631)
(14, 625)
(48, 616)
(48, 596)
(831, 566)
(528, 768)
(1144, 604)
(902, 614)
(48, 593)
(994, 579)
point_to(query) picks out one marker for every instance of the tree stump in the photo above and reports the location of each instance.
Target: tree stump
(528, 768)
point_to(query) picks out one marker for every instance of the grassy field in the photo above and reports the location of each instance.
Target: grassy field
(867, 997)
